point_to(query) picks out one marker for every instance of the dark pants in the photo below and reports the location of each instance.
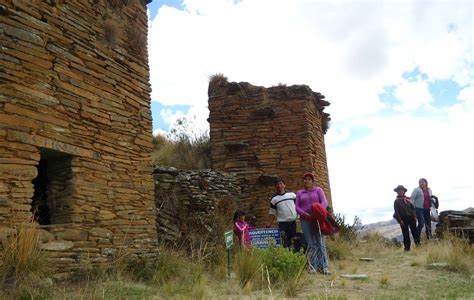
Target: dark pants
(288, 231)
(409, 223)
(424, 219)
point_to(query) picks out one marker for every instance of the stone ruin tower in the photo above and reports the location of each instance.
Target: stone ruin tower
(261, 133)
(75, 126)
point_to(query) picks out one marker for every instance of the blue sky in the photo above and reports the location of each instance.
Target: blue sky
(399, 79)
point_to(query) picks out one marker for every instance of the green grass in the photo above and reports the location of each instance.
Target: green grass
(199, 272)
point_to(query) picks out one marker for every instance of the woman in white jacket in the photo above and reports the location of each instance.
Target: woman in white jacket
(421, 198)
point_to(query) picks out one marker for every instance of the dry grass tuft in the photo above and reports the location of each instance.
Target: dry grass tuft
(218, 79)
(458, 253)
(248, 268)
(384, 281)
(182, 149)
(22, 260)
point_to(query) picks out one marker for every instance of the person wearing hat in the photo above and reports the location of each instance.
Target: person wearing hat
(405, 216)
(316, 242)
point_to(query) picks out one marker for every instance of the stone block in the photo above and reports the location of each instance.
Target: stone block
(57, 245)
(73, 235)
(46, 236)
(101, 232)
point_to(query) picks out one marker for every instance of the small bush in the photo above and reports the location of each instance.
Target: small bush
(349, 232)
(183, 148)
(217, 79)
(215, 82)
(283, 264)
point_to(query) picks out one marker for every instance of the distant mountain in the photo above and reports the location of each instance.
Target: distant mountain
(391, 229)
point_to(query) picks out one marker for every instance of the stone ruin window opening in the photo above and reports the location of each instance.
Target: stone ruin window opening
(51, 202)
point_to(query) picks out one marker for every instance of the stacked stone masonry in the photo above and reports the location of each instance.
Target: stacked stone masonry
(195, 203)
(75, 126)
(263, 133)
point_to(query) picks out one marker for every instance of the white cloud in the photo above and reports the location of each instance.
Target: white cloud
(160, 132)
(349, 51)
(170, 116)
(412, 95)
(467, 94)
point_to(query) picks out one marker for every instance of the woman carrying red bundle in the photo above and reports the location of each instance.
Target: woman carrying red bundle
(316, 251)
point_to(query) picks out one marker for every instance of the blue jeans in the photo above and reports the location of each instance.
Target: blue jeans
(316, 251)
(424, 219)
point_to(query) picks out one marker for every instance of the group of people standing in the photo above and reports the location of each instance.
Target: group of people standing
(413, 210)
(285, 206)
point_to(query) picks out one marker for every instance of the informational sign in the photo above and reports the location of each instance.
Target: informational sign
(262, 237)
(229, 239)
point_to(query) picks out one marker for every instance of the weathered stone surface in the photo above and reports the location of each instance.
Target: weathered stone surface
(73, 235)
(366, 259)
(201, 202)
(6, 232)
(438, 265)
(46, 236)
(101, 232)
(75, 116)
(57, 245)
(355, 276)
(258, 131)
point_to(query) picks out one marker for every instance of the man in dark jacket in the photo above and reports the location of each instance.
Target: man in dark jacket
(405, 216)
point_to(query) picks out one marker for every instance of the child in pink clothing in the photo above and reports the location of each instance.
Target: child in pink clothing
(241, 229)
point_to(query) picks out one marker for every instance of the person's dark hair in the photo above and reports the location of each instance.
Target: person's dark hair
(426, 181)
(279, 179)
(238, 213)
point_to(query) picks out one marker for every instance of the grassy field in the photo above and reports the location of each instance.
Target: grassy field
(175, 274)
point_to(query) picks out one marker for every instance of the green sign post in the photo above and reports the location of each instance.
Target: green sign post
(229, 242)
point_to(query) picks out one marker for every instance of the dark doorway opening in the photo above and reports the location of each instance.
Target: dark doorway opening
(39, 206)
(51, 202)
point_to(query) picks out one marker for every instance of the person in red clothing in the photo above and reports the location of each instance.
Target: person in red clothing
(241, 229)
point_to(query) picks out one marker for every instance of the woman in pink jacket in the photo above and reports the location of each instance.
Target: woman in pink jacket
(241, 229)
(309, 194)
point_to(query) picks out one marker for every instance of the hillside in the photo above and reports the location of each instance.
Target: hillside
(390, 229)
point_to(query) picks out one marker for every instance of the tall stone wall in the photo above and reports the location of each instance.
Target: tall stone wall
(199, 203)
(75, 125)
(261, 133)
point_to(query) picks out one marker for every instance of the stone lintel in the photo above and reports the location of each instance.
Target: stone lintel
(39, 141)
